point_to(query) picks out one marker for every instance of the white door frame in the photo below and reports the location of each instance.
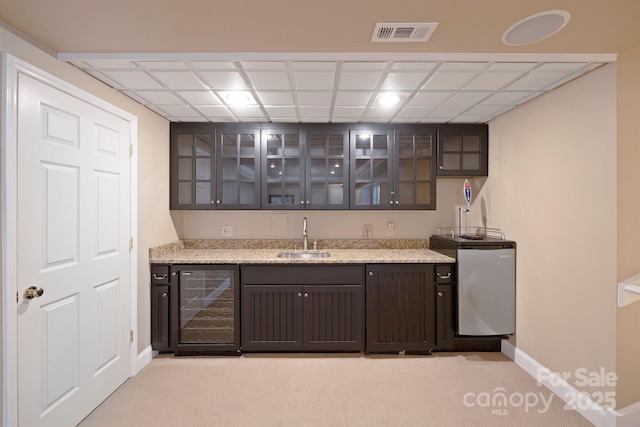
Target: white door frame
(11, 68)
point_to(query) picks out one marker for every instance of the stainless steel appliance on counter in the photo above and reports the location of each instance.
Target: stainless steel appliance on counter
(486, 283)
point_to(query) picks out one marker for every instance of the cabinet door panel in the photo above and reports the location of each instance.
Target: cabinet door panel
(238, 168)
(160, 326)
(272, 317)
(400, 305)
(463, 150)
(333, 317)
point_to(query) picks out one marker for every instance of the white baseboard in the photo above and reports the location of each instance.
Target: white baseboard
(144, 357)
(601, 417)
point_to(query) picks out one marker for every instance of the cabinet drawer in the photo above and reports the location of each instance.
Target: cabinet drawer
(444, 274)
(303, 274)
(160, 274)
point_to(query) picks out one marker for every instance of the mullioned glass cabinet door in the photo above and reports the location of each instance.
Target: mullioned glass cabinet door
(371, 169)
(238, 169)
(283, 165)
(192, 161)
(415, 176)
(327, 177)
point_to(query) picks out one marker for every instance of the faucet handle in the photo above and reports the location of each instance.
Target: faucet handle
(315, 244)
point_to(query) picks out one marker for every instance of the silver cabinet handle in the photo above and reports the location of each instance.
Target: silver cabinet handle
(371, 273)
(299, 294)
(439, 294)
(164, 294)
(156, 277)
(306, 294)
(440, 276)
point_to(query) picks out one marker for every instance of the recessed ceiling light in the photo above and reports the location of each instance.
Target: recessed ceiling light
(238, 98)
(388, 99)
(535, 27)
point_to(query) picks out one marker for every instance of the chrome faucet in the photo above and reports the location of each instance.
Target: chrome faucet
(305, 241)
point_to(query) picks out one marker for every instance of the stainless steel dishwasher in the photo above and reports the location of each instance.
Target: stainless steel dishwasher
(485, 283)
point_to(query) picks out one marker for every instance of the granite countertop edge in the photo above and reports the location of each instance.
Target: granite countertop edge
(342, 252)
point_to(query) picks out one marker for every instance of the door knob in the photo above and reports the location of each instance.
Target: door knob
(33, 292)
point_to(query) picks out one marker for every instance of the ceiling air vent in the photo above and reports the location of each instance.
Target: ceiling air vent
(403, 31)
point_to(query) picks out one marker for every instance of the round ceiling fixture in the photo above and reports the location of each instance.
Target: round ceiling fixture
(536, 27)
(388, 99)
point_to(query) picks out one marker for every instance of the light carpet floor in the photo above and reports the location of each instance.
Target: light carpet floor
(445, 389)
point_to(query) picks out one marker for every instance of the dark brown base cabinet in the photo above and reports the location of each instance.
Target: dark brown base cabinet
(405, 312)
(302, 308)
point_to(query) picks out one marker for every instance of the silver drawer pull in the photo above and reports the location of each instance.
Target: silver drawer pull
(448, 276)
(156, 277)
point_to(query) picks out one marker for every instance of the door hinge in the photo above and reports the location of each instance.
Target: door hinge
(130, 150)
(131, 337)
(130, 244)
(17, 296)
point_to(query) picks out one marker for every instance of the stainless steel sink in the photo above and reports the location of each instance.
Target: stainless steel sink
(303, 255)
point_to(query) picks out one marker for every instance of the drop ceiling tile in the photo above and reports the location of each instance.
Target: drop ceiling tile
(133, 80)
(213, 65)
(160, 97)
(363, 65)
(463, 66)
(481, 111)
(449, 110)
(466, 98)
(134, 95)
(416, 112)
(315, 65)
(270, 80)
(282, 112)
(351, 99)
(520, 67)
(179, 110)
(264, 65)
(314, 99)
(179, 80)
(505, 98)
(163, 65)
(404, 81)
(190, 119)
(247, 110)
(111, 64)
(223, 80)
(380, 112)
(201, 97)
(214, 111)
(562, 66)
(315, 112)
(314, 80)
(276, 98)
(453, 80)
(491, 81)
(414, 66)
(353, 112)
(358, 80)
(429, 98)
(536, 81)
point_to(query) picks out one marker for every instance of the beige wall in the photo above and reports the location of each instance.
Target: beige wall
(628, 318)
(154, 226)
(552, 189)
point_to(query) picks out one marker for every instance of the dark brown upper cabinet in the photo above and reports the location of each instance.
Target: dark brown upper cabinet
(392, 168)
(214, 167)
(463, 150)
(305, 167)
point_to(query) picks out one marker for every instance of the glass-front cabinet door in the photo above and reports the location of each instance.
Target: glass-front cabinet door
(192, 160)
(415, 176)
(215, 167)
(283, 165)
(327, 177)
(463, 150)
(238, 168)
(371, 169)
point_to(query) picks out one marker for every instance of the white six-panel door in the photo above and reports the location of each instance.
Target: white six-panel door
(73, 244)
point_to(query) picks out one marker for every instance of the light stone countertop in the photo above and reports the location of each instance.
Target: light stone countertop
(270, 256)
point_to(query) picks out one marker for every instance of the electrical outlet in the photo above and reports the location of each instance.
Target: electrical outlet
(367, 231)
(227, 230)
(390, 227)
